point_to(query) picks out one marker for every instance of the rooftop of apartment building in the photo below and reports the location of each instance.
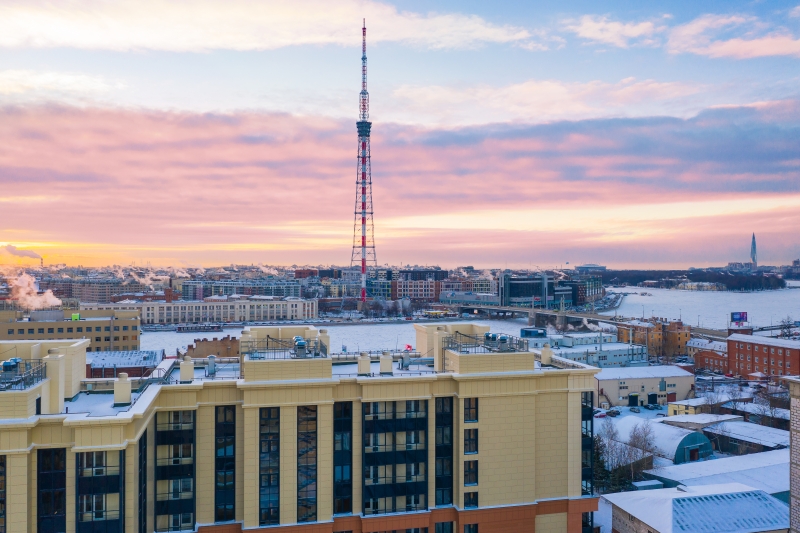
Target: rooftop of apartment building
(277, 355)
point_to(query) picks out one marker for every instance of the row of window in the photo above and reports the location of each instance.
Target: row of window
(766, 360)
(40, 331)
(764, 348)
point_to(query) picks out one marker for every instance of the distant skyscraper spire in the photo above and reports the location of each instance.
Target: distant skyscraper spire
(363, 229)
(753, 253)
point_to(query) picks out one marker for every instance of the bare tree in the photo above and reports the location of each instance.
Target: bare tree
(712, 400)
(641, 446)
(735, 395)
(786, 327)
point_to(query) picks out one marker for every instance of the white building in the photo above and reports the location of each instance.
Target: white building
(218, 309)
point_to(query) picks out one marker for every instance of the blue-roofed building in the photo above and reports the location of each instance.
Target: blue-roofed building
(726, 508)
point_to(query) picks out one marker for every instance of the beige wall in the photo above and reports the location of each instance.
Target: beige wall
(619, 396)
(529, 434)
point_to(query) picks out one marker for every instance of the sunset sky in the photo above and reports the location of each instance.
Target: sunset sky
(519, 134)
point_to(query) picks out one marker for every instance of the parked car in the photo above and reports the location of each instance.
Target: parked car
(658, 407)
(648, 407)
(635, 410)
(596, 410)
(600, 415)
(613, 412)
(661, 414)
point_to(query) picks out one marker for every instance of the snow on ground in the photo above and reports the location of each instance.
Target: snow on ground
(602, 517)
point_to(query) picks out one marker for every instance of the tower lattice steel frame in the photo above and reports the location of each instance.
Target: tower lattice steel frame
(363, 241)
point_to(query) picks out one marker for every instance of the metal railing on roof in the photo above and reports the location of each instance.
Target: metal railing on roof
(272, 348)
(486, 343)
(21, 375)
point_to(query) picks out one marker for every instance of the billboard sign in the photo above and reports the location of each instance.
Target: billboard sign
(739, 317)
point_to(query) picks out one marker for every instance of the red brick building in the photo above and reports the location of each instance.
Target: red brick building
(753, 353)
(711, 360)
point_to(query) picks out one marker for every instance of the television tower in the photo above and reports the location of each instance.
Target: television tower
(753, 253)
(363, 240)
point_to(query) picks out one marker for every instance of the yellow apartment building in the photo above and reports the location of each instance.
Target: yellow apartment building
(477, 435)
(107, 330)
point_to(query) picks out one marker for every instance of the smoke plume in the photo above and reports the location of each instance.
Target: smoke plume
(25, 292)
(268, 270)
(13, 250)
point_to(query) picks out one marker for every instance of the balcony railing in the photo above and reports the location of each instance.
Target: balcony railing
(272, 348)
(168, 461)
(93, 516)
(174, 495)
(21, 375)
(98, 471)
(487, 343)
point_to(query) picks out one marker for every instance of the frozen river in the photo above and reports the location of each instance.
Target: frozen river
(710, 309)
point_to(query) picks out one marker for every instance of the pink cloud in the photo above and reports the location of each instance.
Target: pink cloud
(115, 186)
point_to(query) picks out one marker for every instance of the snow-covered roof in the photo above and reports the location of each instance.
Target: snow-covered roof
(641, 372)
(705, 344)
(767, 471)
(718, 397)
(639, 323)
(703, 418)
(728, 508)
(758, 409)
(665, 437)
(768, 341)
(124, 358)
(750, 432)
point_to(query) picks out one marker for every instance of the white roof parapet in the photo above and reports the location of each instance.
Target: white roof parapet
(641, 372)
(769, 341)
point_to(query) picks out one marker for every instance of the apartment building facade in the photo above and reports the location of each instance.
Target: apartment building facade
(770, 356)
(218, 309)
(485, 441)
(106, 330)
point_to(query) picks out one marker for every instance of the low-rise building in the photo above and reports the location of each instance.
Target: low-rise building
(698, 345)
(767, 471)
(769, 355)
(759, 413)
(134, 363)
(674, 444)
(742, 438)
(729, 508)
(643, 385)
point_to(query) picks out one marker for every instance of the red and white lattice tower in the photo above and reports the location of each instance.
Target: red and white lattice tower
(363, 227)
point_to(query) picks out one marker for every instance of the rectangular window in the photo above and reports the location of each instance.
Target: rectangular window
(470, 441)
(342, 457)
(269, 466)
(444, 452)
(52, 497)
(470, 500)
(307, 463)
(470, 473)
(443, 527)
(175, 470)
(143, 483)
(225, 463)
(49, 330)
(470, 409)
(3, 493)
(471, 528)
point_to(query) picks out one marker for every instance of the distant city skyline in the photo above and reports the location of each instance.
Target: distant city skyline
(643, 136)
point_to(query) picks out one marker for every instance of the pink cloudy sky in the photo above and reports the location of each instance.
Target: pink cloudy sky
(518, 138)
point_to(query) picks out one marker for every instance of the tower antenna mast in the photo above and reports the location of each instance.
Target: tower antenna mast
(363, 240)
